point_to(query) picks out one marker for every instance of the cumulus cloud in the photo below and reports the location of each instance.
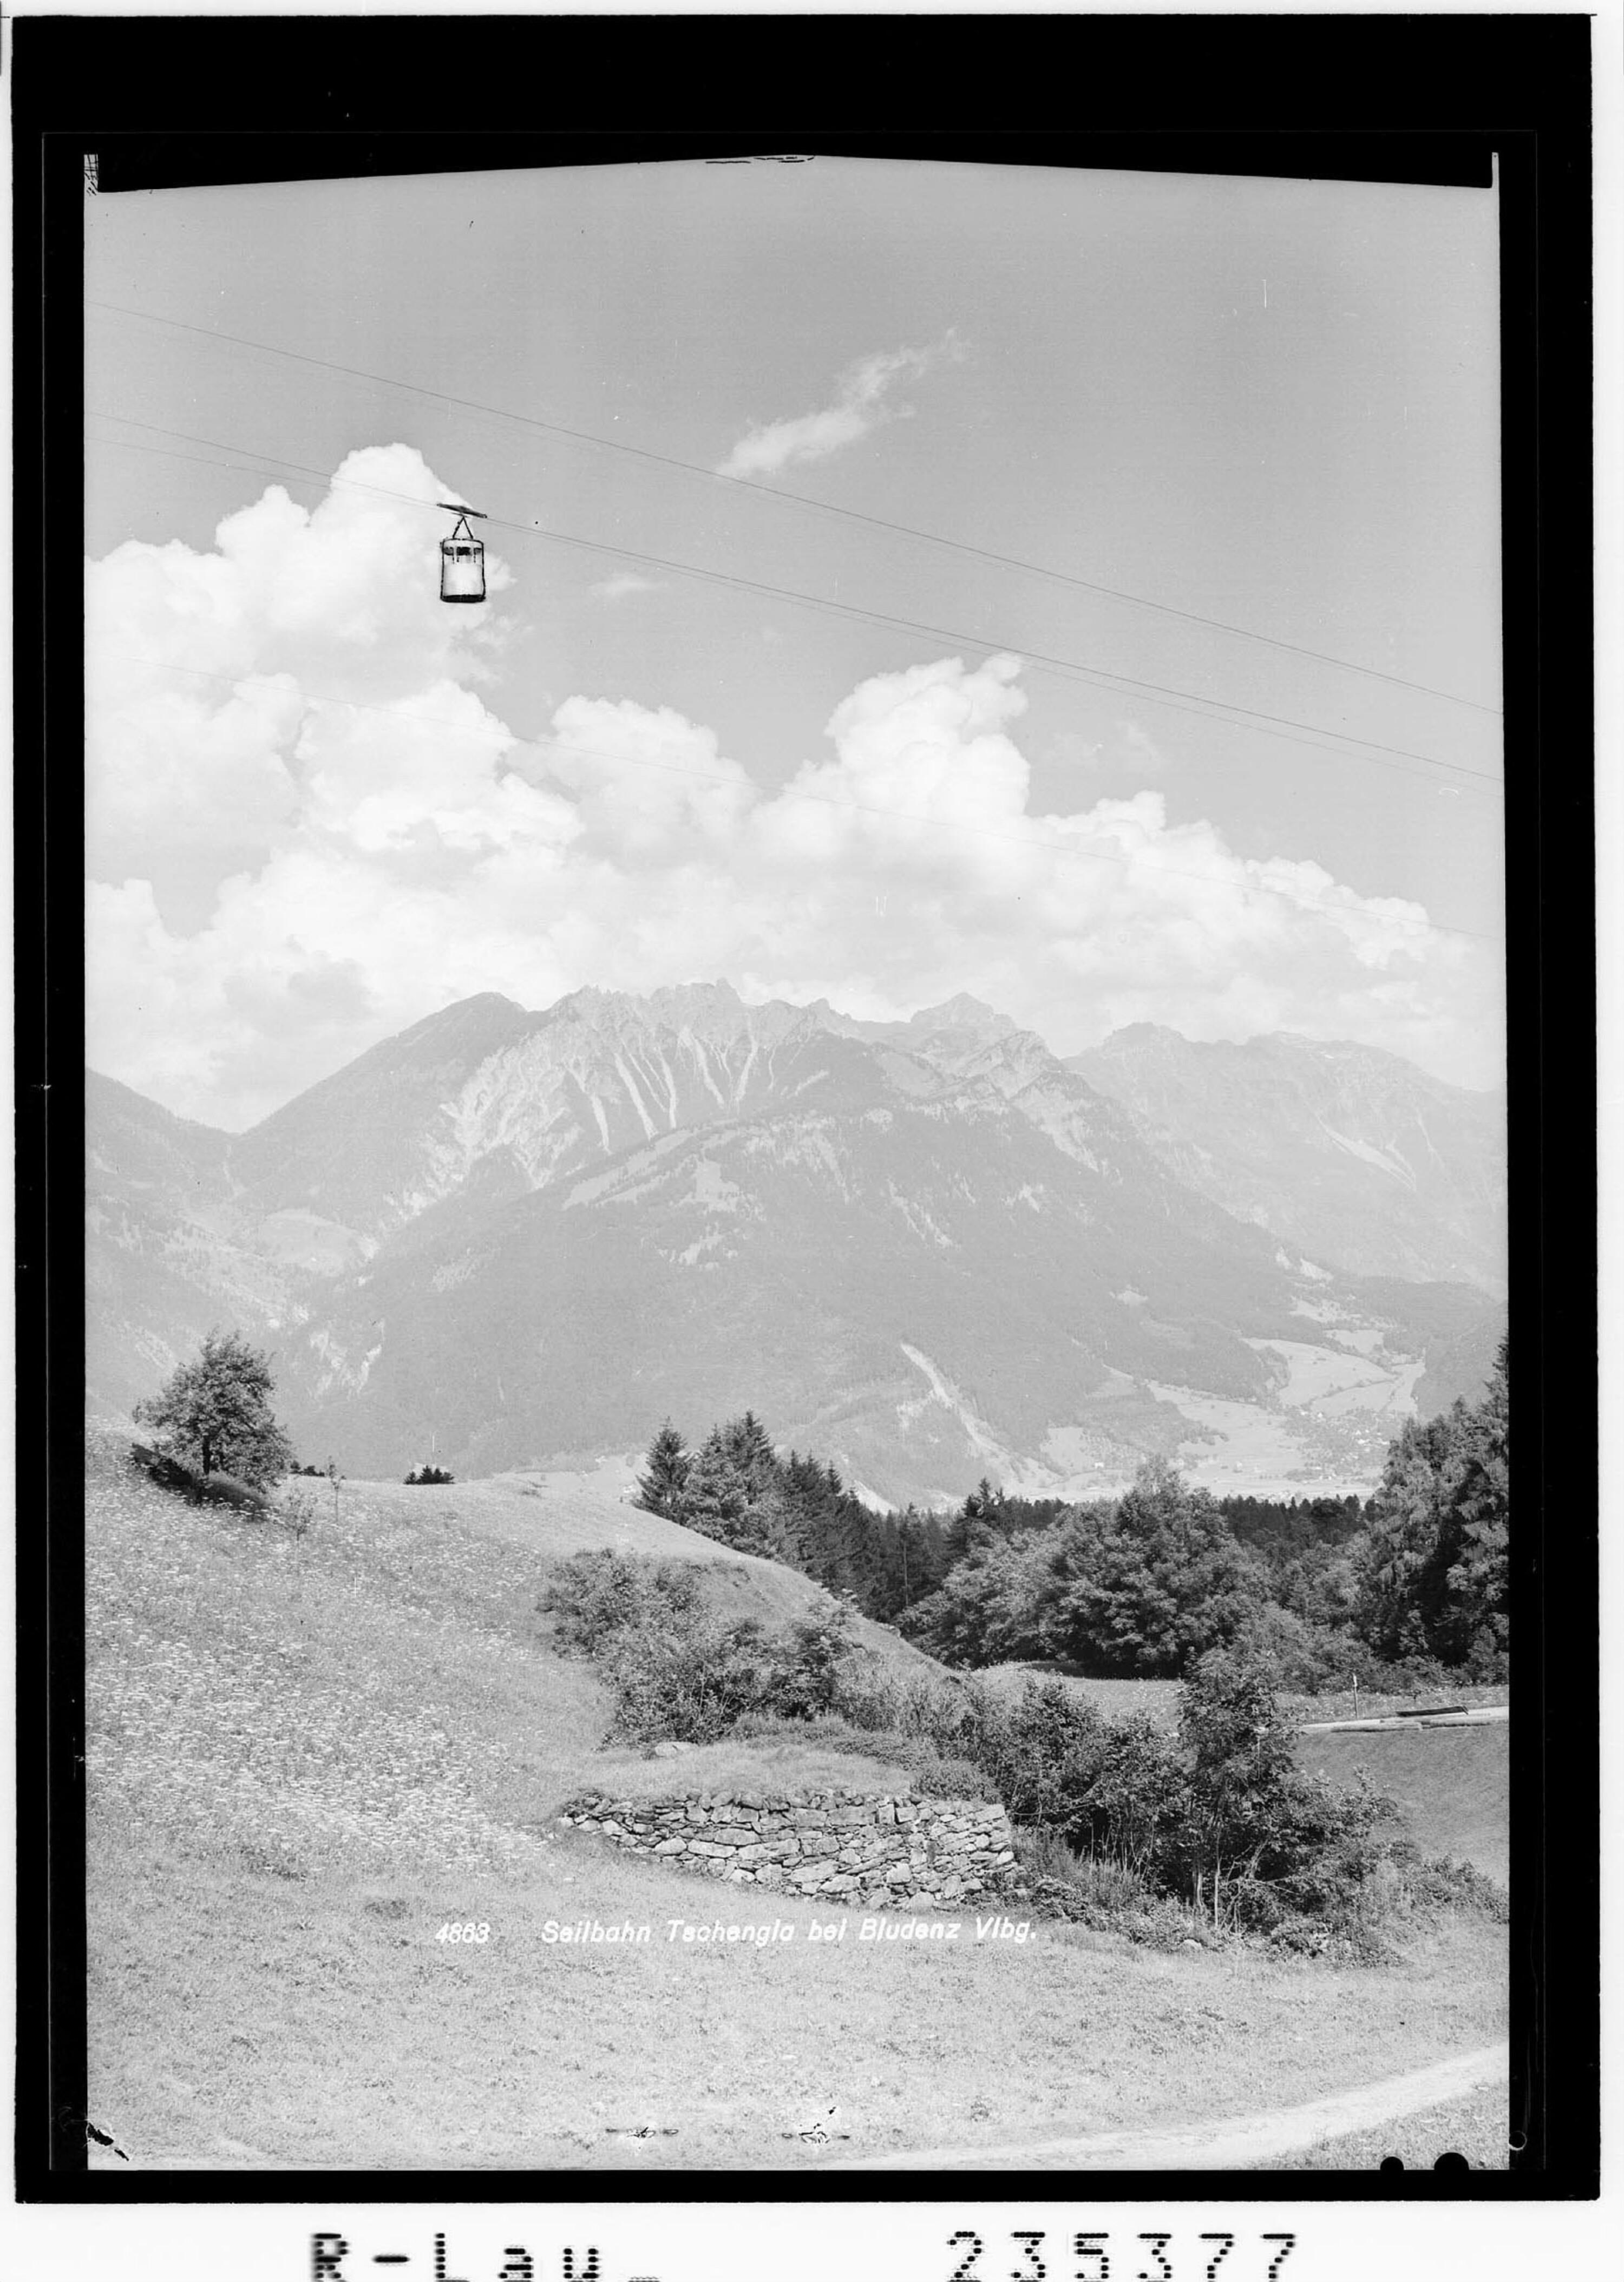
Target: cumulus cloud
(863, 400)
(360, 839)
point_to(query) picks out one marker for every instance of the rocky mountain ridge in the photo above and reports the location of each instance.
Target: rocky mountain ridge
(927, 1249)
(1355, 1156)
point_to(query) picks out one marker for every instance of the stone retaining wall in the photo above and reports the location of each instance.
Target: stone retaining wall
(845, 1845)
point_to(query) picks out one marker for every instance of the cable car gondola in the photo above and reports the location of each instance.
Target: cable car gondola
(461, 558)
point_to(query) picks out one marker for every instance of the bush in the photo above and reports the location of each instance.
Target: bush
(677, 1673)
(686, 1688)
(1309, 1658)
(870, 1697)
(427, 1477)
(806, 1662)
(1102, 1883)
(1259, 1837)
(596, 1595)
(1092, 1890)
(295, 1509)
(1428, 1886)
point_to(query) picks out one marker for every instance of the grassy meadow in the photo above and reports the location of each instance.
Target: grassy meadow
(308, 1756)
(1451, 1785)
(1476, 2126)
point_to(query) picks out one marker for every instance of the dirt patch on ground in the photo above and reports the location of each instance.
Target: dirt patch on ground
(1243, 2143)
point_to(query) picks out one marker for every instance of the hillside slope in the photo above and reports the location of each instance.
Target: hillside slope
(406, 1622)
(307, 1759)
(167, 1256)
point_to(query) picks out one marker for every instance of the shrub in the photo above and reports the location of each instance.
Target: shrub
(806, 1662)
(295, 1509)
(596, 1595)
(1046, 1854)
(917, 1705)
(1311, 1658)
(677, 1673)
(426, 1477)
(1137, 1792)
(1093, 1890)
(1258, 1836)
(1102, 1881)
(689, 1687)
(1041, 1748)
(1438, 1884)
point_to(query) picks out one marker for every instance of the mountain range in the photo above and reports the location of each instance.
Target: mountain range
(1346, 1152)
(926, 1250)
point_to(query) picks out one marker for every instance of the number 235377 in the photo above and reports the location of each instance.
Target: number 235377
(1090, 2257)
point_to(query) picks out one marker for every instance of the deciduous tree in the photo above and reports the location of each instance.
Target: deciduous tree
(215, 1412)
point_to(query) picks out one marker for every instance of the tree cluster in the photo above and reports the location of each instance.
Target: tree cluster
(735, 1489)
(1143, 1585)
(1432, 1568)
(1135, 1586)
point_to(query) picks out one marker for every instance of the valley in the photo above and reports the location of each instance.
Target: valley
(930, 1250)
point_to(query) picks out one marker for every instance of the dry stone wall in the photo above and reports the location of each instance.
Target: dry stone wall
(864, 1851)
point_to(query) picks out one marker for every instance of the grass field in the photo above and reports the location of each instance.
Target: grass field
(306, 1757)
(1476, 2127)
(1451, 1784)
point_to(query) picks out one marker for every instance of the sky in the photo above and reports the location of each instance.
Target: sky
(733, 708)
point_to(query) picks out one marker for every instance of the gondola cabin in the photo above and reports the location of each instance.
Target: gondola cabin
(462, 559)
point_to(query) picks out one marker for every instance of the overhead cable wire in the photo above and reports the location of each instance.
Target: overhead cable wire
(1192, 701)
(802, 500)
(547, 747)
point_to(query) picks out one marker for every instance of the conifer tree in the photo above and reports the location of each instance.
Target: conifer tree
(662, 1487)
(750, 1454)
(715, 1495)
(973, 1527)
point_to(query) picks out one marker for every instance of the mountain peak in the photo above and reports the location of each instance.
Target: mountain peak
(673, 999)
(963, 1012)
(714, 1012)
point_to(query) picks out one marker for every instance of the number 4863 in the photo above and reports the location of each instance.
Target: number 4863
(1139, 2258)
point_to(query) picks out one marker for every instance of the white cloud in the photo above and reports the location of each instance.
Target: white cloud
(863, 401)
(360, 839)
(622, 583)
